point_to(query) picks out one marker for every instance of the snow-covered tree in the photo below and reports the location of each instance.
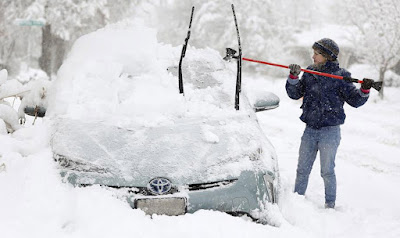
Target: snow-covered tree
(14, 44)
(263, 25)
(377, 41)
(63, 19)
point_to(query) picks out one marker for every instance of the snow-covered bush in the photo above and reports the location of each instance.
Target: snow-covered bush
(392, 79)
(10, 118)
(36, 97)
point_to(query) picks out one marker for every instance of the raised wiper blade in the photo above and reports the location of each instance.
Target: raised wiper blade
(183, 54)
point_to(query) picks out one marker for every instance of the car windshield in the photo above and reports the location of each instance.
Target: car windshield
(115, 77)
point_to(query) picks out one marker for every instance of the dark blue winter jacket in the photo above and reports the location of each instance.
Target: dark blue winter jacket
(323, 97)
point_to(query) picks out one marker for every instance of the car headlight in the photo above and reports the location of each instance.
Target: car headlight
(79, 166)
(269, 183)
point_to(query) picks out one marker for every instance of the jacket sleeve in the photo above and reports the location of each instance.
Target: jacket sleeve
(354, 96)
(351, 94)
(294, 88)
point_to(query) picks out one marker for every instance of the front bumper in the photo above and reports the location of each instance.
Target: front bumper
(243, 195)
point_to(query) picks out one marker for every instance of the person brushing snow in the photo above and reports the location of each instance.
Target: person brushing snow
(323, 113)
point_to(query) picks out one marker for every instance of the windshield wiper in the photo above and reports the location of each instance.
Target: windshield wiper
(183, 54)
(230, 53)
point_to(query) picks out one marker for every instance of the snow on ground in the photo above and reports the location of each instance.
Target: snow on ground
(367, 168)
(34, 202)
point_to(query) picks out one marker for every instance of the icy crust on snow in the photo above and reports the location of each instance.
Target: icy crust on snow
(123, 75)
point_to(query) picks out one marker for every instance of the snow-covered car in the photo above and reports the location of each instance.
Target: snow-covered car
(120, 122)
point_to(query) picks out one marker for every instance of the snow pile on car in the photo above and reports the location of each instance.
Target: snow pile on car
(122, 75)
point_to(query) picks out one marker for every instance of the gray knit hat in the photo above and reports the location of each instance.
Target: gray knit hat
(328, 48)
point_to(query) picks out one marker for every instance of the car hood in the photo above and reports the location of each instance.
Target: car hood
(186, 151)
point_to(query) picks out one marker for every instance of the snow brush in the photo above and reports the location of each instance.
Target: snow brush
(230, 53)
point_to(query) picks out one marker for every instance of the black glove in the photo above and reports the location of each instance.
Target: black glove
(367, 83)
(295, 69)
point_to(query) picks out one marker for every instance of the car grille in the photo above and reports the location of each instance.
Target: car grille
(190, 187)
(204, 186)
(131, 189)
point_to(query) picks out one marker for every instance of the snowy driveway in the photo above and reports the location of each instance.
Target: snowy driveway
(367, 168)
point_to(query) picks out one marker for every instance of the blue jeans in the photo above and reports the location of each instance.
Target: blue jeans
(326, 140)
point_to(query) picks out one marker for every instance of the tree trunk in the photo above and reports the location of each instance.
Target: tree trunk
(47, 42)
(382, 72)
(59, 52)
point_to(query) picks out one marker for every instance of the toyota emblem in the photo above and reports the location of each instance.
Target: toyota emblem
(159, 186)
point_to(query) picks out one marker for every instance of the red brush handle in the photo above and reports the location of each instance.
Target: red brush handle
(304, 70)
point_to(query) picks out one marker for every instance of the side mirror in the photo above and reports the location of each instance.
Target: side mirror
(266, 101)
